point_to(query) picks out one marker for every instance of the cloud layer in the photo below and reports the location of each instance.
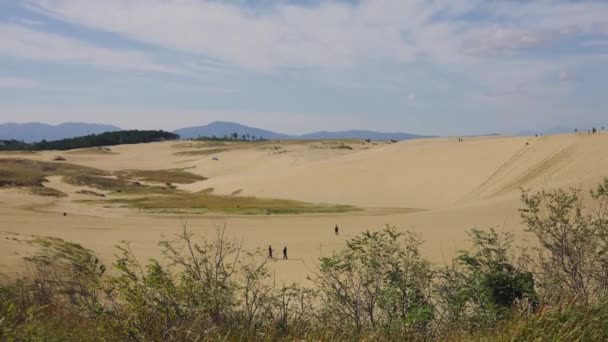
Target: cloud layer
(407, 50)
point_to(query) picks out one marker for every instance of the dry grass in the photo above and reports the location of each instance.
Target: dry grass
(90, 193)
(205, 152)
(166, 198)
(116, 185)
(31, 173)
(93, 150)
(178, 176)
(47, 192)
(201, 144)
(24, 172)
(202, 202)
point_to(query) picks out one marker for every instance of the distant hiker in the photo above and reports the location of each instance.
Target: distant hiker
(337, 230)
(269, 252)
(65, 214)
(285, 253)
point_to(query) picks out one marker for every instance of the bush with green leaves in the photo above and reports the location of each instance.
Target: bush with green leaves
(377, 287)
(379, 281)
(571, 259)
(483, 284)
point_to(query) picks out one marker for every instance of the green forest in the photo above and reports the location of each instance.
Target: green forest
(93, 140)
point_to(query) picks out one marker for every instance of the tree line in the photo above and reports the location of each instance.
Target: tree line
(232, 137)
(93, 140)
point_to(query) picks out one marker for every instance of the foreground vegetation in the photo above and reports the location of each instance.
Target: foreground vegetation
(378, 287)
(93, 140)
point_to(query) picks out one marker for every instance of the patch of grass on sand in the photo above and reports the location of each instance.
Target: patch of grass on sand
(200, 144)
(206, 202)
(161, 176)
(93, 150)
(47, 192)
(15, 172)
(90, 193)
(205, 152)
(116, 185)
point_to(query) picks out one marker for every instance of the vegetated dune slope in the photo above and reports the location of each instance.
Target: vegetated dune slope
(426, 173)
(473, 184)
(430, 174)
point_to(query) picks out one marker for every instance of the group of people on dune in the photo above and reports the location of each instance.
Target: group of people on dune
(270, 250)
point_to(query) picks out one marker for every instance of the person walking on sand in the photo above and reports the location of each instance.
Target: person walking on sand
(269, 252)
(285, 253)
(337, 230)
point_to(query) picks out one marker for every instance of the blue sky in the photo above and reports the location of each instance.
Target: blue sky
(446, 67)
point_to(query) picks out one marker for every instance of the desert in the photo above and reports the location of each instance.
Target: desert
(438, 187)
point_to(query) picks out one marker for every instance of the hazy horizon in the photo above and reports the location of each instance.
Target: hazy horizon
(434, 68)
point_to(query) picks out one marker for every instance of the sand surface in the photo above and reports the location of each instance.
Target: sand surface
(453, 187)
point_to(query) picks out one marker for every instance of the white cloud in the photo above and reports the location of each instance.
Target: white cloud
(372, 45)
(26, 43)
(335, 34)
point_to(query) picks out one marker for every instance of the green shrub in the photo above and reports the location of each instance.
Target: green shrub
(572, 257)
(482, 285)
(379, 281)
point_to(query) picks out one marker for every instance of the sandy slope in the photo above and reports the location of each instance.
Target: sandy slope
(474, 184)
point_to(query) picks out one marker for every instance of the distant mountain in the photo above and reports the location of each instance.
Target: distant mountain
(358, 134)
(31, 132)
(220, 129)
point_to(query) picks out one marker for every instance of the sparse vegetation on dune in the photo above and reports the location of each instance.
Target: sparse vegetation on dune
(378, 287)
(205, 201)
(162, 198)
(204, 152)
(210, 147)
(31, 173)
(25, 172)
(90, 193)
(178, 176)
(47, 192)
(93, 150)
(106, 183)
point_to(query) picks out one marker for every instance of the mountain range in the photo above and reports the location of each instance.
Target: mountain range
(221, 128)
(32, 132)
(35, 131)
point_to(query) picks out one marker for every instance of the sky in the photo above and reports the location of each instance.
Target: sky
(441, 67)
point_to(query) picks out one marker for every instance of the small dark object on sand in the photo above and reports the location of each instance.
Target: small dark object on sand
(65, 214)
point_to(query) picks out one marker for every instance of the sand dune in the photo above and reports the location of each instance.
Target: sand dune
(473, 184)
